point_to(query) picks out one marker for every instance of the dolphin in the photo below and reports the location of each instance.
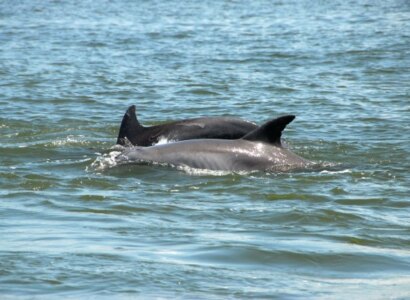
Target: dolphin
(131, 131)
(259, 150)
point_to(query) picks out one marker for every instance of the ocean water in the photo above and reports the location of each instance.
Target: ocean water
(69, 70)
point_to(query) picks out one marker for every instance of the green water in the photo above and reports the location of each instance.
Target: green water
(70, 69)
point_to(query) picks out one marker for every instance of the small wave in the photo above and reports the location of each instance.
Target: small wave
(70, 139)
(336, 172)
(326, 167)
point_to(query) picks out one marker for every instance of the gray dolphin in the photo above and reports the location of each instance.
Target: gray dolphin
(200, 128)
(259, 150)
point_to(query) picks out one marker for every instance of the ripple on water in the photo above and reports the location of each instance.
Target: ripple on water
(76, 225)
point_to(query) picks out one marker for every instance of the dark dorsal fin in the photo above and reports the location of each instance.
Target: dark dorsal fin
(271, 131)
(130, 127)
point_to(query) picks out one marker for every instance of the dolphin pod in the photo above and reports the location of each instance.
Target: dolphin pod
(259, 150)
(131, 131)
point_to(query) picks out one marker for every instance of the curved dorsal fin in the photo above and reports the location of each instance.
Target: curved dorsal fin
(130, 127)
(271, 131)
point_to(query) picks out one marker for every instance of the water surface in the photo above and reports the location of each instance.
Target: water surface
(70, 69)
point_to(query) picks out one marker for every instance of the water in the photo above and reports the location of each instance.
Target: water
(69, 70)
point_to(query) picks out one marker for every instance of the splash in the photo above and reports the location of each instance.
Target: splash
(104, 161)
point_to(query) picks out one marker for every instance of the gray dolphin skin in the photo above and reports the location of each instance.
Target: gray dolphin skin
(259, 150)
(131, 131)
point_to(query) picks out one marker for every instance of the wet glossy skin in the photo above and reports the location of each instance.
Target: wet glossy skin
(132, 132)
(213, 154)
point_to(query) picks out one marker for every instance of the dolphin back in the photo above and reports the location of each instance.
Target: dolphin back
(132, 133)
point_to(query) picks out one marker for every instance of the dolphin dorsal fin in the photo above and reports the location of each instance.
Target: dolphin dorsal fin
(271, 131)
(130, 127)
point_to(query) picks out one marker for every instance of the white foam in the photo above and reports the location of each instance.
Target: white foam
(336, 172)
(70, 139)
(104, 161)
(117, 147)
(163, 141)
